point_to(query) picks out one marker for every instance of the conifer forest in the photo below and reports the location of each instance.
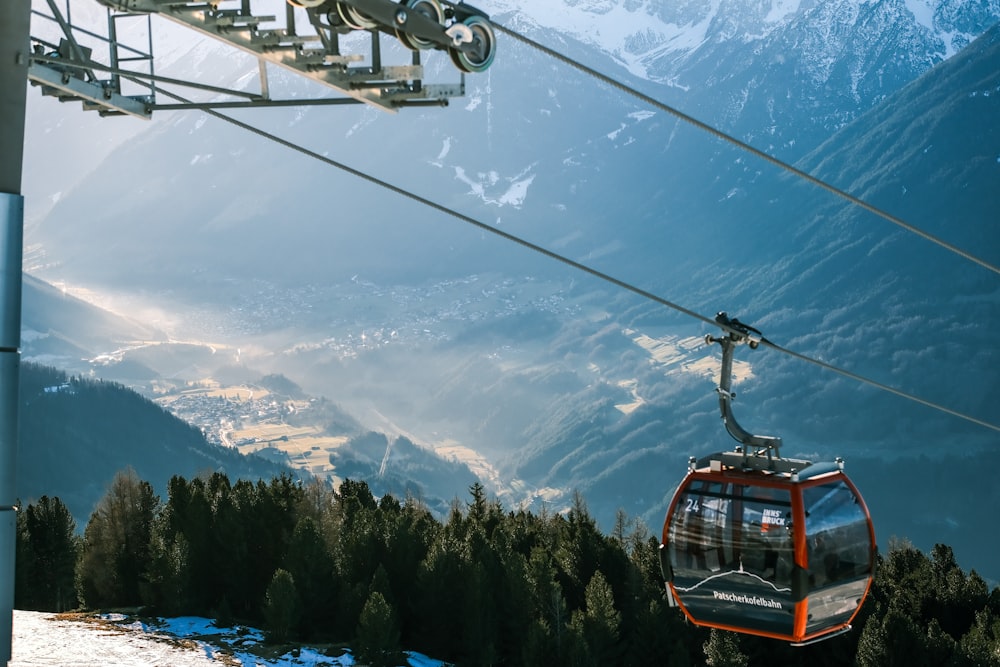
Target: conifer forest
(486, 586)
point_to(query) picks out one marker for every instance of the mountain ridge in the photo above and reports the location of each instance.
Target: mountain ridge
(76, 434)
(318, 273)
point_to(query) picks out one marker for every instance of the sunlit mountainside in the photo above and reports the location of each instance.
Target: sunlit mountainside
(248, 260)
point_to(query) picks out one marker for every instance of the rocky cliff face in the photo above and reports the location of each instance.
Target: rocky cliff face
(783, 75)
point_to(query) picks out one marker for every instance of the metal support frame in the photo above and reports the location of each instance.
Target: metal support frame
(130, 55)
(737, 334)
(63, 84)
(15, 21)
(755, 452)
(316, 56)
(68, 72)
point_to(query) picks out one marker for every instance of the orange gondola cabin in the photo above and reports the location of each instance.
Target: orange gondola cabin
(764, 545)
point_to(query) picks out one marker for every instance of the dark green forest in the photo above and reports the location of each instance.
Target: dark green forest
(75, 433)
(486, 586)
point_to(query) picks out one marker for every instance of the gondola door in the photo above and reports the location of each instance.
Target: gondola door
(731, 552)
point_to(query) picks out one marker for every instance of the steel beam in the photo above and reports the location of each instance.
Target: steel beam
(387, 88)
(15, 30)
(65, 86)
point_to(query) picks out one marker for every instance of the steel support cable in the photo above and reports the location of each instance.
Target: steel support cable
(879, 385)
(719, 134)
(565, 260)
(444, 209)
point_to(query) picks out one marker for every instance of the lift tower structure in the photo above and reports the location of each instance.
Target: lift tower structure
(15, 21)
(71, 71)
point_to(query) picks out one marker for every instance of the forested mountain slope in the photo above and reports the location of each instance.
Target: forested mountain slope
(486, 586)
(75, 434)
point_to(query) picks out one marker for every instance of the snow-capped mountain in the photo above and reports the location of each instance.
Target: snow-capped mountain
(557, 378)
(781, 74)
(655, 39)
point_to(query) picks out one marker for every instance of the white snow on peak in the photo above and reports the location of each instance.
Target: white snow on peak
(923, 12)
(613, 28)
(780, 9)
(639, 33)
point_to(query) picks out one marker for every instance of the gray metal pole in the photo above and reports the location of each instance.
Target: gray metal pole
(15, 37)
(11, 224)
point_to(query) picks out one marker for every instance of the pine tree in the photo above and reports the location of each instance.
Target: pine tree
(538, 649)
(47, 554)
(408, 538)
(195, 525)
(377, 642)
(601, 621)
(281, 606)
(657, 636)
(359, 546)
(981, 645)
(22, 582)
(723, 650)
(310, 565)
(576, 649)
(170, 577)
(580, 551)
(956, 597)
(440, 584)
(230, 558)
(546, 593)
(117, 555)
(257, 555)
(267, 512)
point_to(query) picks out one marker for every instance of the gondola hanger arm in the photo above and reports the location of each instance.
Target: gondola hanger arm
(738, 333)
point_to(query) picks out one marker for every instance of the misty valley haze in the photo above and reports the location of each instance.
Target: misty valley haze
(544, 379)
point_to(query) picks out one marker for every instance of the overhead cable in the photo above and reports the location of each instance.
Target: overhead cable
(747, 147)
(879, 385)
(562, 258)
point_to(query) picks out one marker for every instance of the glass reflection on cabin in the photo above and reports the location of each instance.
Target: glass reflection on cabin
(731, 553)
(839, 547)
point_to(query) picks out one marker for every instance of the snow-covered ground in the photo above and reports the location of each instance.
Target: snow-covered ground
(45, 640)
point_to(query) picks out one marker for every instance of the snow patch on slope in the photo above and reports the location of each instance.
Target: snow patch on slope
(934, 17)
(497, 191)
(79, 641)
(781, 9)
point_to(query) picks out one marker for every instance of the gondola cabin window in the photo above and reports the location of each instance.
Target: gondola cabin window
(769, 554)
(731, 552)
(839, 552)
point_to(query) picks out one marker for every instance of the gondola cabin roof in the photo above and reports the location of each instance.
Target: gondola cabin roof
(764, 466)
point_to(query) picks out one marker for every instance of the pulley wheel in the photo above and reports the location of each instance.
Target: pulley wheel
(354, 18)
(480, 58)
(433, 10)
